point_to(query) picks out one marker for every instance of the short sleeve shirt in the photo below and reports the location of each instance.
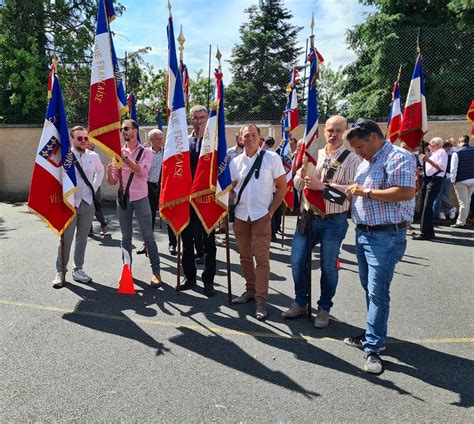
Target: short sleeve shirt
(258, 194)
(391, 166)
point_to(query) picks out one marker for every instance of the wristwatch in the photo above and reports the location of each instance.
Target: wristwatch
(367, 192)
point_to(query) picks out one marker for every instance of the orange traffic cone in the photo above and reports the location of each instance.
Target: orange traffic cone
(126, 281)
(338, 263)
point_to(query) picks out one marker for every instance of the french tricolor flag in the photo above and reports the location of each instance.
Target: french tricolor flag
(176, 179)
(395, 115)
(415, 118)
(53, 182)
(104, 103)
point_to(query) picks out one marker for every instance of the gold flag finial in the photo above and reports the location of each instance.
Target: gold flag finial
(399, 73)
(219, 57)
(418, 50)
(181, 41)
(169, 6)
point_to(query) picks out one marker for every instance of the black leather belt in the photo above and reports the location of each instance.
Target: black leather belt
(384, 227)
(305, 212)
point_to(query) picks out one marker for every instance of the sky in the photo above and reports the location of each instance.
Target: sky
(217, 22)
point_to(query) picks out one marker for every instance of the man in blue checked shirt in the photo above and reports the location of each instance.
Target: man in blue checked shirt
(382, 208)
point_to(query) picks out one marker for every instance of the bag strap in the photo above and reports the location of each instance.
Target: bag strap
(83, 175)
(255, 168)
(335, 166)
(130, 178)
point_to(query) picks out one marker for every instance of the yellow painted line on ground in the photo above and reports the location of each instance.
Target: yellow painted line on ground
(219, 330)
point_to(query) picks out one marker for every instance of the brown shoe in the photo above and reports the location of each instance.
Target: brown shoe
(294, 311)
(155, 280)
(244, 298)
(260, 311)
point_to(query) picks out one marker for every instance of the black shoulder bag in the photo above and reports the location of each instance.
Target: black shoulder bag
(332, 194)
(123, 197)
(88, 183)
(254, 169)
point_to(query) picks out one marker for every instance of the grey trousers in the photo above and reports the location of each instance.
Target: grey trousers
(80, 225)
(143, 214)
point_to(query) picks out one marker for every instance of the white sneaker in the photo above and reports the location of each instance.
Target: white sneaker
(442, 216)
(452, 213)
(58, 280)
(81, 276)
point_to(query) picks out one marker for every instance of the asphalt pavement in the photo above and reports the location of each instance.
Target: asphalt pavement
(84, 353)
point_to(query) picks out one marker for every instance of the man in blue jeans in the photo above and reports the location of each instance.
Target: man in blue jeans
(328, 230)
(382, 208)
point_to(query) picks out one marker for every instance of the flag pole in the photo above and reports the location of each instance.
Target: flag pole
(310, 211)
(227, 256)
(227, 246)
(63, 252)
(283, 225)
(178, 266)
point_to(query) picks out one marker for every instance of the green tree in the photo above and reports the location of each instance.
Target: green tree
(330, 87)
(387, 39)
(33, 32)
(260, 63)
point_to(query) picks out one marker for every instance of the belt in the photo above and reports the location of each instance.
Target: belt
(385, 227)
(305, 212)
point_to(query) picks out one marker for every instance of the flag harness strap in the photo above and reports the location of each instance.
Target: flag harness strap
(88, 183)
(123, 197)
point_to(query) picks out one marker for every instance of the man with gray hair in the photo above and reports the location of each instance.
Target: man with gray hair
(194, 235)
(435, 168)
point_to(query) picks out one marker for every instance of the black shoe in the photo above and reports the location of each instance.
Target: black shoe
(274, 239)
(199, 260)
(142, 250)
(209, 290)
(422, 237)
(188, 285)
(172, 250)
(358, 341)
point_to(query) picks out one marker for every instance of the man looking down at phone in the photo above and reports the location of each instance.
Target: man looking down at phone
(328, 230)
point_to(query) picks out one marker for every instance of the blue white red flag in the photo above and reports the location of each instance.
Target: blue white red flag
(470, 116)
(107, 98)
(212, 181)
(287, 159)
(309, 148)
(291, 109)
(176, 179)
(53, 182)
(415, 117)
(395, 115)
(133, 110)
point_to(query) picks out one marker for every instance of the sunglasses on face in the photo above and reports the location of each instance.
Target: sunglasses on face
(124, 128)
(81, 139)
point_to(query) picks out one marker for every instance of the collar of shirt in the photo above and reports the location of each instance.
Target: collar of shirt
(381, 152)
(254, 156)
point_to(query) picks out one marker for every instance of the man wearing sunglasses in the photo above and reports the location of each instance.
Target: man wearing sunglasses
(93, 170)
(136, 163)
(382, 208)
(328, 230)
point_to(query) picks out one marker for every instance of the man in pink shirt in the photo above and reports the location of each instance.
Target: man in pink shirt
(133, 197)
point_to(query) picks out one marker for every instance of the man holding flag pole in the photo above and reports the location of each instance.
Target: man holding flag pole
(210, 190)
(323, 178)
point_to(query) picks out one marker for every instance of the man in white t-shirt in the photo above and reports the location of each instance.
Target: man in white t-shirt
(253, 214)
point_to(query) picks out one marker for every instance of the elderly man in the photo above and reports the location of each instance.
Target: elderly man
(254, 174)
(383, 206)
(236, 150)
(435, 169)
(462, 176)
(133, 196)
(194, 235)
(89, 174)
(329, 229)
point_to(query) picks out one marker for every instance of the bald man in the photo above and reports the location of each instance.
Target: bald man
(329, 229)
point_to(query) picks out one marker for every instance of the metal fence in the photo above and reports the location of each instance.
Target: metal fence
(350, 84)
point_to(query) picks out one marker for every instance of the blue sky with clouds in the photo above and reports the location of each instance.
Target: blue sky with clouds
(217, 23)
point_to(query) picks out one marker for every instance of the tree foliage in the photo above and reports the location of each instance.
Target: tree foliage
(387, 39)
(260, 63)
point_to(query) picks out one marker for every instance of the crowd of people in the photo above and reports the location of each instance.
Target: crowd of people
(376, 183)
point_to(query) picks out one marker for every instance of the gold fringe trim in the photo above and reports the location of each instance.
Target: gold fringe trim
(173, 203)
(209, 230)
(108, 150)
(105, 129)
(176, 232)
(61, 231)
